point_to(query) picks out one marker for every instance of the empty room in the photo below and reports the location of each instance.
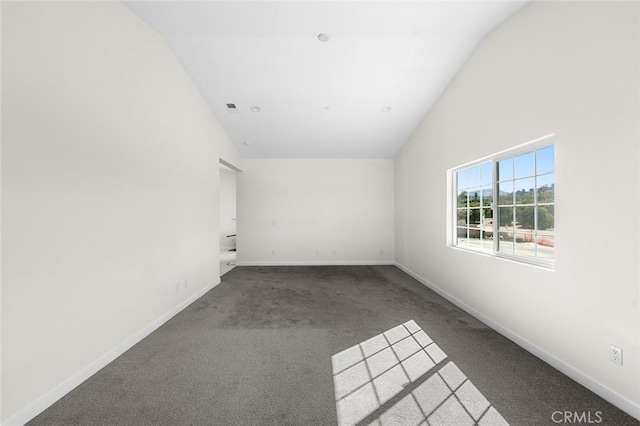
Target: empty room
(320, 213)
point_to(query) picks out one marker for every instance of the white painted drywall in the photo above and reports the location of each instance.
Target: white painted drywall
(566, 67)
(227, 208)
(109, 191)
(304, 210)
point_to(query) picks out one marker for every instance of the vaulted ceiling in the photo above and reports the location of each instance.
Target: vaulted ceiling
(322, 79)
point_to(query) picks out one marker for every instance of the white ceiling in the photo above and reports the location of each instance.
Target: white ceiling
(322, 99)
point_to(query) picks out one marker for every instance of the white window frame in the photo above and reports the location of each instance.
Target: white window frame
(532, 146)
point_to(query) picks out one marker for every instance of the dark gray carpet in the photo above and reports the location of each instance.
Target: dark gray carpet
(256, 350)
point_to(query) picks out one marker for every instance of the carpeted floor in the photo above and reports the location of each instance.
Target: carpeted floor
(257, 350)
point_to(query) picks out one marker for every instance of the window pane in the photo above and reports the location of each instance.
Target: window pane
(525, 245)
(486, 174)
(487, 214)
(461, 237)
(505, 243)
(524, 165)
(546, 189)
(524, 190)
(462, 217)
(473, 176)
(487, 196)
(461, 179)
(505, 169)
(487, 222)
(481, 244)
(525, 219)
(462, 199)
(505, 193)
(474, 217)
(505, 217)
(474, 197)
(474, 237)
(487, 245)
(545, 160)
(546, 247)
(546, 219)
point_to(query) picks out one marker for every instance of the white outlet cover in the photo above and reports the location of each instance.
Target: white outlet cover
(615, 355)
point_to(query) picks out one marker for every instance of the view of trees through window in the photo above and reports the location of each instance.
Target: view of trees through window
(519, 220)
(475, 207)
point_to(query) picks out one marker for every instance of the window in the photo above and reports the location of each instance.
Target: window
(505, 205)
(474, 209)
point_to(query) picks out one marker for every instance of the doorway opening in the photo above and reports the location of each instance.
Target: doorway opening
(227, 218)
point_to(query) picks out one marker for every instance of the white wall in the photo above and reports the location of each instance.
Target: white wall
(304, 210)
(109, 193)
(566, 67)
(227, 208)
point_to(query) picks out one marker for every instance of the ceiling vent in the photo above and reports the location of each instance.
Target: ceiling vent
(232, 108)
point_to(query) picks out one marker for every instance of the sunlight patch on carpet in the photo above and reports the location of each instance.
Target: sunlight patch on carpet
(402, 377)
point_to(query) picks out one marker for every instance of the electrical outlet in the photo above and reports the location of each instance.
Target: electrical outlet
(615, 355)
(381, 251)
(318, 252)
(333, 251)
(177, 287)
(273, 252)
(186, 283)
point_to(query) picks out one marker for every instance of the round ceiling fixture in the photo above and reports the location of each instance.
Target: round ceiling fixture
(327, 108)
(385, 109)
(255, 108)
(323, 37)
(246, 144)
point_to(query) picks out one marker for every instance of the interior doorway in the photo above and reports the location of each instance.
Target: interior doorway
(228, 219)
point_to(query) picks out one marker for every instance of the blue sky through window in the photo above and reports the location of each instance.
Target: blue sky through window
(545, 160)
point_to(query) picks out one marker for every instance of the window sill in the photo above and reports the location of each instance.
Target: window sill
(547, 266)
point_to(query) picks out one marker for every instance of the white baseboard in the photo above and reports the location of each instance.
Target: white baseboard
(317, 263)
(44, 402)
(596, 387)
